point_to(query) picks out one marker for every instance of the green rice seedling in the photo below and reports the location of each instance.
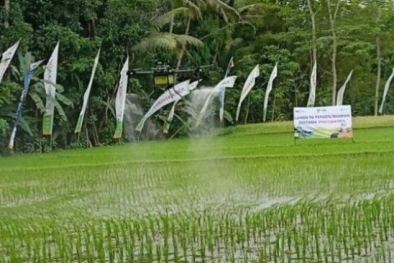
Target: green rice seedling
(251, 196)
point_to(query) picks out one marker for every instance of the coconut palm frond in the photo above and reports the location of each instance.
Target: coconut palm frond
(156, 41)
(228, 27)
(193, 9)
(261, 7)
(187, 40)
(166, 41)
(167, 17)
(224, 10)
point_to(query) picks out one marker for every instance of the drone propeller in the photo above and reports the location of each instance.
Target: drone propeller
(194, 68)
(184, 70)
(139, 71)
(206, 66)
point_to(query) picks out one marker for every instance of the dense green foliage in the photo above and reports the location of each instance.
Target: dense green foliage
(348, 36)
(251, 196)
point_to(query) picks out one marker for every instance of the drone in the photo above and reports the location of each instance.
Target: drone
(164, 76)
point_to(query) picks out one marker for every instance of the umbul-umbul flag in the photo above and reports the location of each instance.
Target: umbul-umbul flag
(50, 75)
(86, 95)
(192, 86)
(312, 88)
(222, 91)
(248, 85)
(385, 91)
(26, 83)
(342, 90)
(274, 73)
(6, 59)
(173, 94)
(120, 101)
(227, 82)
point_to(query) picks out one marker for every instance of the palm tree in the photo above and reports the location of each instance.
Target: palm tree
(222, 10)
(193, 10)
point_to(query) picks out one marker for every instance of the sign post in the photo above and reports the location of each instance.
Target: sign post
(323, 122)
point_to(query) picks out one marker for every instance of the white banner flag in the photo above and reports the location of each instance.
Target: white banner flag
(323, 122)
(170, 117)
(227, 82)
(192, 86)
(386, 89)
(222, 91)
(120, 101)
(312, 88)
(274, 73)
(248, 85)
(86, 95)
(6, 59)
(50, 75)
(342, 90)
(26, 82)
(173, 94)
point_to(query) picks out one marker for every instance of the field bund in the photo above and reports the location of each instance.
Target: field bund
(251, 195)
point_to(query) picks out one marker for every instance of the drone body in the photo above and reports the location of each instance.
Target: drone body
(164, 77)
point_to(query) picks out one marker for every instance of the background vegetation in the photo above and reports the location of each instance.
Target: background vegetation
(343, 35)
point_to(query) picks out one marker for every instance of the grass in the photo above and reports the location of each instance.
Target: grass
(250, 196)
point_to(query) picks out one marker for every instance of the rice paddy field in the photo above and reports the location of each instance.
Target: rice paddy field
(252, 195)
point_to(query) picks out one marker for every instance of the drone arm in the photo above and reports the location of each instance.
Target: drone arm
(136, 72)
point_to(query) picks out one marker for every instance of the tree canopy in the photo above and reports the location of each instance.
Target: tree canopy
(344, 36)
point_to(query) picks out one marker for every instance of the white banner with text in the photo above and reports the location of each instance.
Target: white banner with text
(323, 122)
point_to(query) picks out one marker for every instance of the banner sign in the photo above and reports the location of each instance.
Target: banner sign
(342, 90)
(222, 91)
(274, 73)
(120, 101)
(86, 94)
(386, 89)
(323, 122)
(26, 83)
(312, 88)
(175, 93)
(192, 87)
(248, 85)
(227, 82)
(6, 58)
(50, 75)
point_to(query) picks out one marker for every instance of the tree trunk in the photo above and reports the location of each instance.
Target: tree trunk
(379, 61)
(313, 21)
(314, 50)
(172, 19)
(334, 48)
(378, 54)
(172, 24)
(7, 12)
(178, 64)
